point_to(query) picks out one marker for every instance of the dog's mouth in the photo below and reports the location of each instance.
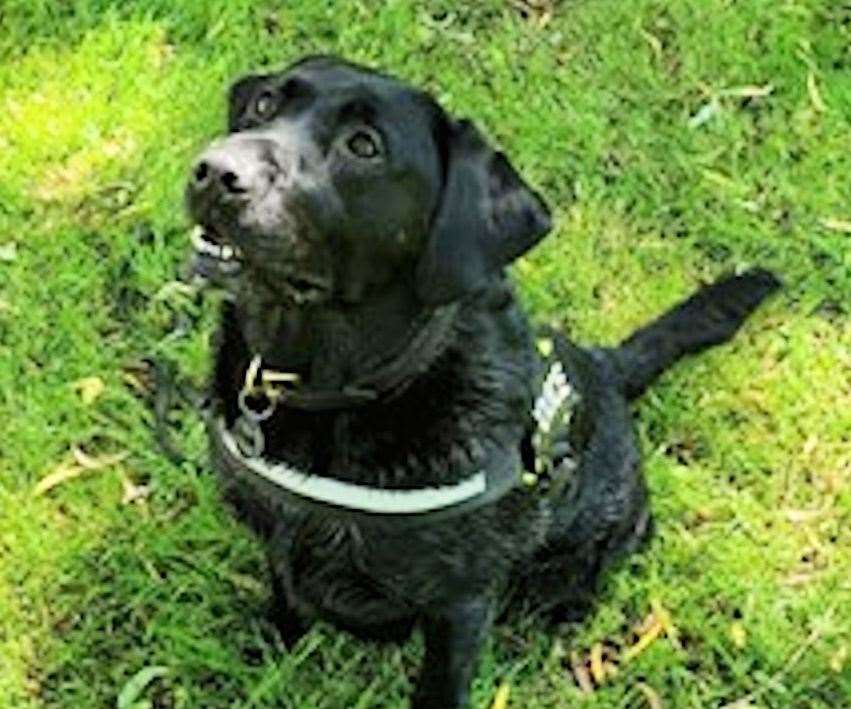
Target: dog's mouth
(210, 245)
(213, 260)
(220, 262)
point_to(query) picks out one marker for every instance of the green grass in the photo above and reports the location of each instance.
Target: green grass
(640, 123)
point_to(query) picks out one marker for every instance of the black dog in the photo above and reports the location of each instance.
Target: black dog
(383, 416)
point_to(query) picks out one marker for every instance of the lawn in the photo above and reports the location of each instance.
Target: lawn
(675, 139)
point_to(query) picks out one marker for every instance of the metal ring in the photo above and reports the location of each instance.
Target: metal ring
(248, 412)
(270, 383)
(249, 437)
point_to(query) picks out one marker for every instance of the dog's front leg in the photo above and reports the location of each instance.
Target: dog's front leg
(290, 626)
(453, 640)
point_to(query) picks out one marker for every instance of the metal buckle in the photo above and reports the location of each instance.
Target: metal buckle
(268, 384)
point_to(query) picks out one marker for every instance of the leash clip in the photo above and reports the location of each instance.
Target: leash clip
(264, 384)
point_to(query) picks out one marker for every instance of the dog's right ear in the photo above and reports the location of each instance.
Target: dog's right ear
(487, 217)
(241, 92)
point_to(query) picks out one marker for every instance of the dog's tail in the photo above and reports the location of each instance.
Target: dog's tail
(709, 317)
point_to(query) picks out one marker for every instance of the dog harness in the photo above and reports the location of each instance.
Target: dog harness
(240, 449)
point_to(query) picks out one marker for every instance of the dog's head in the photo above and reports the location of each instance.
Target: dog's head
(335, 181)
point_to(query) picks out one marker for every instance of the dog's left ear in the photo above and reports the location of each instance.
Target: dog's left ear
(487, 217)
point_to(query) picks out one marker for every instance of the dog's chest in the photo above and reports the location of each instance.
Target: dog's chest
(476, 400)
(390, 568)
(386, 571)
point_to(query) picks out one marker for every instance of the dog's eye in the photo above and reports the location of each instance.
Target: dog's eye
(364, 144)
(265, 104)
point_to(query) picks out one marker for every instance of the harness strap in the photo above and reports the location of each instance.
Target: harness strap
(500, 473)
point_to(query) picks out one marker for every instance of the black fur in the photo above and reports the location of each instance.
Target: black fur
(465, 214)
(487, 218)
(710, 317)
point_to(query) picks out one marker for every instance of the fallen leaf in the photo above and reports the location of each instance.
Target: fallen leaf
(500, 699)
(538, 11)
(64, 472)
(705, 114)
(704, 514)
(651, 695)
(647, 637)
(800, 516)
(245, 582)
(134, 493)
(598, 671)
(751, 206)
(132, 690)
(841, 225)
(92, 463)
(155, 575)
(68, 470)
(837, 662)
(646, 623)
(664, 618)
(159, 53)
(8, 252)
(739, 704)
(718, 178)
(174, 290)
(810, 445)
(654, 42)
(89, 389)
(799, 579)
(749, 91)
(815, 95)
(738, 635)
(135, 383)
(139, 375)
(580, 672)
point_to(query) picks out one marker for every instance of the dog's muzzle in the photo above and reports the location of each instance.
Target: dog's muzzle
(238, 169)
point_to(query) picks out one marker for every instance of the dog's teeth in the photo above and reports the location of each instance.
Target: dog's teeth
(196, 237)
(202, 245)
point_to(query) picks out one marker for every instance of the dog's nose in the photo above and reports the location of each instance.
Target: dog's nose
(236, 169)
(211, 172)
